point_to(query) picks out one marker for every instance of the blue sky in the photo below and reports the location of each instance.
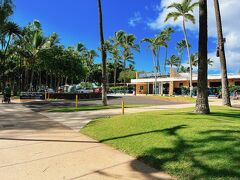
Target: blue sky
(77, 21)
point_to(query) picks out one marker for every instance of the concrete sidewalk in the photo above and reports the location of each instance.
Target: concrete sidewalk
(33, 146)
(77, 120)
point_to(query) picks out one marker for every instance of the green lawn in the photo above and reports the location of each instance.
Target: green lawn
(95, 107)
(175, 98)
(183, 144)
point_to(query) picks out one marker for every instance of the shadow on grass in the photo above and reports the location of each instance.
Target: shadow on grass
(216, 154)
(170, 131)
(212, 154)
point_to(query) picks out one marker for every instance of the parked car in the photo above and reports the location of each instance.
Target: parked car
(85, 90)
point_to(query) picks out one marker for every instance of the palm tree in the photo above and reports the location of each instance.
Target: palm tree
(167, 36)
(221, 51)
(183, 69)
(202, 105)
(155, 44)
(153, 47)
(194, 59)
(104, 56)
(181, 46)
(33, 42)
(173, 61)
(114, 49)
(184, 10)
(127, 42)
(90, 55)
(8, 29)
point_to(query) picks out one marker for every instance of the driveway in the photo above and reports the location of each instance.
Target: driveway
(33, 146)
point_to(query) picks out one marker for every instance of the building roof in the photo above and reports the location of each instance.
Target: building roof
(181, 77)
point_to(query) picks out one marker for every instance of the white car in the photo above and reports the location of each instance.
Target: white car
(85, 90)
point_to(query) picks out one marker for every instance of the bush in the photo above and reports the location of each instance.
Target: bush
(234, 88)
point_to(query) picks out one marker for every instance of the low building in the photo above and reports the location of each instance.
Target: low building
(174, 83)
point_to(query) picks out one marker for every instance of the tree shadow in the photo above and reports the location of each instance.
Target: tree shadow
(198, 158)
(170, 131)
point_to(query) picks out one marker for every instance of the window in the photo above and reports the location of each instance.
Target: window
(141, 88)
(180, 84)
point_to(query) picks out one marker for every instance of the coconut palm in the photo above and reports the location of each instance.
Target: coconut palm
(194, 59)
(184, 10)
(154, 48)
(127, 43)
(155, 44)
(104, 55)
(181, 46)
(90, 55)
(33, 42)
(221, 51)
(8, 29)
(114, 49)
(173, 61)
(202, 105)
(167, 35)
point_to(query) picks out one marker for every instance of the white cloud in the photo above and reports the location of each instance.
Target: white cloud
(136, 19)
(231, 25)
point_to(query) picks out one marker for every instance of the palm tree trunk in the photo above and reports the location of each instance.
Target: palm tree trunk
(51, 80)
(104, 56)
(202, 105)
(31, 80)
(155, 73)
(115, 72)
(124, 72)
(165, 63)
(66, 80)
(225, 89)
(46, 82)
(40, 78)
(188, 51)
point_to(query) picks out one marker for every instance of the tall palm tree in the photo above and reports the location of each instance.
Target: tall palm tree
(7, 30)
(167, 36)
(173, 61)
(104, 55)
(221, 51)
(32, 43)
(127, 42)
(181, 46)
(202, 105)
(184, 10)
(194, 59)
(154, 48)
(114, 49)
(155, 44)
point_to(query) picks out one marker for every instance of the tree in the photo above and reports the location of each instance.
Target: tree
(184, 10)
(127, 75)
(181, 45)
(127, 42)
(183, 69)
(104, 56)
(221, 51)
(155, 44)
(202, 105)
(166, 33)
(7, 30)
(194, 59)
(114, 49)
(173, 61)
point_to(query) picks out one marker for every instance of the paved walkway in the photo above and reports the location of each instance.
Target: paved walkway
(43, 146)
(77, 120)
(33, 146)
